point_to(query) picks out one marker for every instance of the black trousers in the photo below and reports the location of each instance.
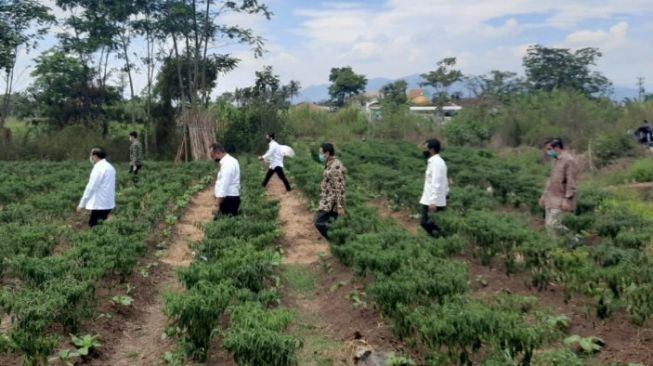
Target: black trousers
(230, 206)
(135, 171)
(97, 216)
(428, 224)
(322, 221)
(280, 173)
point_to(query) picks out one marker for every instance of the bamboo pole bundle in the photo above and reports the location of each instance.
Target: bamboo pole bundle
(199, 134)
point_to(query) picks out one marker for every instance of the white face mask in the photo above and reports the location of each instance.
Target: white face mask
(90, 158)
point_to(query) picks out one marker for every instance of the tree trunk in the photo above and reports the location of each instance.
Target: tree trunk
(206, 46)
(5, 134)
(125, 48)
(181, 81)
(196, 53)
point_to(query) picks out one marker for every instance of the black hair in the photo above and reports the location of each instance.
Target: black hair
(555, 142)
(433, 144)
(271, 135)
(217, 147)
(99, 152)
(133, 134)
(328, 148)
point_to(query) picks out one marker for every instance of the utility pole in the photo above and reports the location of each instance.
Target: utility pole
(641, 90)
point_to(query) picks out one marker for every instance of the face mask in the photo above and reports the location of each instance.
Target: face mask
(552, 153)
(322, 158)
(91, 160)
(427, 154)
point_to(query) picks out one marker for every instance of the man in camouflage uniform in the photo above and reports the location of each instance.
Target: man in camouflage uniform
(135, 154)
(332, 197)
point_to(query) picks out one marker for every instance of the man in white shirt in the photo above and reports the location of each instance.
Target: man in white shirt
(274, 156)
(436, 187)
(227, 186)
(100, 193)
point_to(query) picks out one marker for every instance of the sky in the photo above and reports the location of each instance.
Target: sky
(396, 38)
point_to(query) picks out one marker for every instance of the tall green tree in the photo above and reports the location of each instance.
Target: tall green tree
(441, 79)
(345, 83)
(64, 87)
(559, 68)
(268, 90)
(497, 86)
(22, 24)
(394, 94)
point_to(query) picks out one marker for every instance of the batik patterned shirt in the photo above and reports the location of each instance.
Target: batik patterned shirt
(333, 186)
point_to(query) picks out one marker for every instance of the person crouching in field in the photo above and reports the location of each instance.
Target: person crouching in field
(332, 196)
(135, 154)
(100, 194)
(274, 156)
(227, 185)
(560, 193)
(436, 187)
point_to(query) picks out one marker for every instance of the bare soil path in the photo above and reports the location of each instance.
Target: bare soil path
(625, 342)
(332, 315)
(142, 342)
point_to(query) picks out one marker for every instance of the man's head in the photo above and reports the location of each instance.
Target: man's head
(133, 136)
(554, 147)
(327, 151)
(217, 152)
(269, 137)
(431, 147)
(97, 154)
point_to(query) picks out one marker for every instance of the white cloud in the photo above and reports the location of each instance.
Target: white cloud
(599, 38)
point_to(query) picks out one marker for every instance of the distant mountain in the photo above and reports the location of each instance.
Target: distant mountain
(318, 93)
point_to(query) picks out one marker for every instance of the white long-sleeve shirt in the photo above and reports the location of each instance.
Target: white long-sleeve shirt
(228, 182)
(100, 192)
(436, 184)
(274, 155)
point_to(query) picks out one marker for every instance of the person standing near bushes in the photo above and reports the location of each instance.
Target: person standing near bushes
(559, 196)
(227, 185)
(332, 196)
(436, 187)
(274, 156)
(100, 194)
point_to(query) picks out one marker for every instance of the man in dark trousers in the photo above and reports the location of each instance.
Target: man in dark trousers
(436, 187)
(100, 194)
(227, 185)
(332, 196)
(274, 156)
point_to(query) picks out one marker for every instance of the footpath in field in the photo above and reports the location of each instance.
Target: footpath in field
(142, 342)
(332, 316)
(623, 340)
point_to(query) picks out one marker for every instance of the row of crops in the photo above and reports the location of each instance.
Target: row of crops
(425, 292)
(607, 254)
(236, 278)
(50, 267)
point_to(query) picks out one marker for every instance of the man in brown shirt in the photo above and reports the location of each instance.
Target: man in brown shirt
(332, 197)
(560, 193)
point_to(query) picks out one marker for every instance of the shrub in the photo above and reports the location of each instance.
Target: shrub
(609, 147)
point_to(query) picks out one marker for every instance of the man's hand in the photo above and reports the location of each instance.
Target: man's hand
(433, 208)
(260, 158)
(565, 205)
(79, 210)
(541, 202)
(216, 211)
(341, 211)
